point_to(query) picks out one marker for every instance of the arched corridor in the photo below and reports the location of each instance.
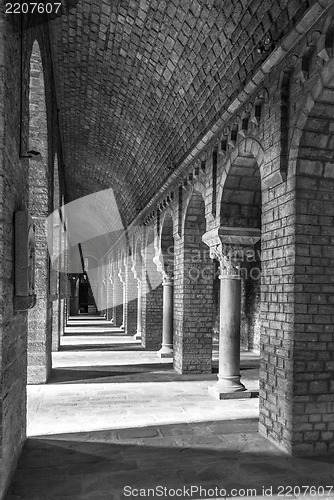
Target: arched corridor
(166, 227)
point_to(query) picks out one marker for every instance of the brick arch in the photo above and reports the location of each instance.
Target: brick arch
(167, 241)
(240, 205)
(239, 200)
(137, 254)
(197, 188)
(169, 212)
(324, 80)
(248, 152)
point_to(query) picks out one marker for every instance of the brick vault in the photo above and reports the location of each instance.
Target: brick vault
(201, 135)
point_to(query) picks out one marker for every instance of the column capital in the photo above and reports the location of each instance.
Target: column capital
(164, 268)
(241, 236)
(167, 279)
(121, 276)
(229, 257)
(229, 245)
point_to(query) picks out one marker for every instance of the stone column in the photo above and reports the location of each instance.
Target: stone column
(229, 245)
(166, 350)
(229, 329)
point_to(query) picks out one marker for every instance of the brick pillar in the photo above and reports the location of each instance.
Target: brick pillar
(297, 351)
(152, 305)
(131, 284)
(62, 318)
(117, 300)
(193, 295)
(40, 317)
(137, 273)
(55, 325)
(313, 340)
(110, 298)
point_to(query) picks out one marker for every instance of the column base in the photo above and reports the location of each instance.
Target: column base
(122, 327)
(137, 336)
(166, 351)
(229, 388)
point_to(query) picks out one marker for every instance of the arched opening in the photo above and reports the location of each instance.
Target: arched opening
(194, 291)
(138, 275)
(241, 208)
(40, 205)
(236, 245)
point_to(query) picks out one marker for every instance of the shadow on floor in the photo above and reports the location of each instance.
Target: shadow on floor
(207, 455)
(134, 373)
(106, 347)
(125, 373)
(103, 332)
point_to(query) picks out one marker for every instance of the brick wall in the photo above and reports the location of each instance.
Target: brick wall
(132, 299)
(14, 196)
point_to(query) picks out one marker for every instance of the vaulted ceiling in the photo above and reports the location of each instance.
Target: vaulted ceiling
(139, 82)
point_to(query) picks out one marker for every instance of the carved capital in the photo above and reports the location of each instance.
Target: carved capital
(229, 245)
(241, 236)
(229, 257)
(167, 280)
(121, 276)
(164, 267)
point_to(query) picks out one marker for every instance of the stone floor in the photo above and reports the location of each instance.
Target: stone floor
(116, 422)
